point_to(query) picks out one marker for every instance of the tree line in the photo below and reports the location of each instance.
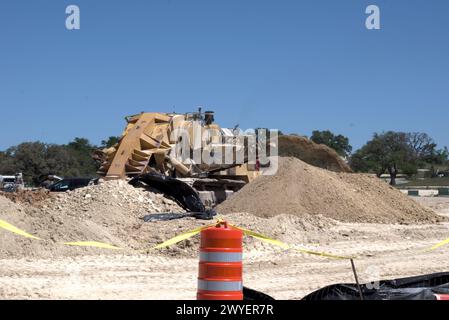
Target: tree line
(34, 159)
(399, 152)
(387, 152)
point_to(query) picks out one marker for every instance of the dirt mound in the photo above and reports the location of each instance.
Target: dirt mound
(110, 212)
(301, 189)
(115, 194)
(31, 197)
(318, 155)
(300, 202)
(54, 229)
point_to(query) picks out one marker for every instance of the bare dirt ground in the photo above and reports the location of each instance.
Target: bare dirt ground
(383, 251)
(437, 204)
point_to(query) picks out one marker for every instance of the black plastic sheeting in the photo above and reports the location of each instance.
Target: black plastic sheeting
(414, 288)
(172, 216)
(254, 295)
(179, 191)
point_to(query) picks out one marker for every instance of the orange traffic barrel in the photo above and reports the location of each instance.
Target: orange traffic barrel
(220, 267)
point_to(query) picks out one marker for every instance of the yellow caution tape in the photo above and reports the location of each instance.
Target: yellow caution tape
(262, 237)
(284, 245)
(182, 236)
(322, 254)
(439, 244)
(5, 225)
(92, 244)
(191, 233)
(186, 235)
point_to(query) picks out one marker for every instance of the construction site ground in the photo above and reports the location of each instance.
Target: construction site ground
(383, 251)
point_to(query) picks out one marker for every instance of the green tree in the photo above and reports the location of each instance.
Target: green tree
(111, 141)
(423, 147)
(36, 158)
(339, 142)
(397, 151)
(7, 165)
(28, 158)
(80, 151)
(442, 156)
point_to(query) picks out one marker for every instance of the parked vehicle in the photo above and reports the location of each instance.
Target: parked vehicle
(71, 184)
(11, 183)
(46, 180)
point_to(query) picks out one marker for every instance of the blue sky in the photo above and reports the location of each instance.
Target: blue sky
(291, 65)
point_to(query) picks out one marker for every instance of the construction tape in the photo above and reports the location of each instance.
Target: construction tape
(286, 246)
(92, 244)
(262, 237)
(323, 254)
(5, 225)
(194, 232)
(9, 227)
(181, 237)
(189, 234)
(439, 244)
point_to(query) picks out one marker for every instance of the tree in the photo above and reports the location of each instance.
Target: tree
(7, 165)
(422, 145)
(110, 142)
(442, 156)
(384, 152)
(339, 142)
(81, 145)
(36, 158)
(80, 151)
(397, 151)
(28, 158)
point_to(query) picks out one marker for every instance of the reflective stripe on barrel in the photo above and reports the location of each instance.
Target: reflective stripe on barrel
(220, 285)
(221, 256)
(220, 266)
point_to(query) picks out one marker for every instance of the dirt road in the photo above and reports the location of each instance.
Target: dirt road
(383, 251)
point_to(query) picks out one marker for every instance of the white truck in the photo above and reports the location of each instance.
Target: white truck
(11, 183)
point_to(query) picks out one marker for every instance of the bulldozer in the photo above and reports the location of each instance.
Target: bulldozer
(191, 148)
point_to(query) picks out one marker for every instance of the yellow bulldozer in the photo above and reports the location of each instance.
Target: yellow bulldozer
(189, 147)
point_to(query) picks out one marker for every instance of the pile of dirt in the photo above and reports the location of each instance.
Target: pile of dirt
(301, 189)
(298, 205)
(53, 229)
(112, 212)
(114, 194)
(125, 229)
(31, 197)
(318, 155)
